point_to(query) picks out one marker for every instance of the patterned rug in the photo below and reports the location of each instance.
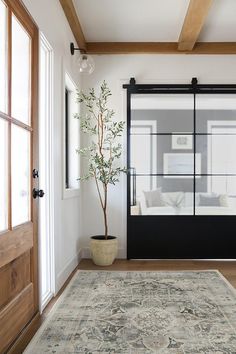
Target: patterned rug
(141, 312)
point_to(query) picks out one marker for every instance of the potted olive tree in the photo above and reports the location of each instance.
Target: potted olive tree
(102, 155)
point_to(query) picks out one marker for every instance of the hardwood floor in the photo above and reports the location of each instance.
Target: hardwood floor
(227, 268)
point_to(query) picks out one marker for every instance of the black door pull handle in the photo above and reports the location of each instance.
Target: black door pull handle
(38, 193)
(35, 173)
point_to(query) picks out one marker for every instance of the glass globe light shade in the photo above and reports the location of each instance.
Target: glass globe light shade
(86, 64)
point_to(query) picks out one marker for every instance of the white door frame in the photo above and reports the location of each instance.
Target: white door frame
(210, 125)
(46, 168)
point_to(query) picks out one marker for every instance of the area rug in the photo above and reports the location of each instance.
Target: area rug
(141, 312)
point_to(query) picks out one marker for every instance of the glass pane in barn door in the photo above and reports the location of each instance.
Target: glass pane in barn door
(20, 175)
(3, 64)
(21, 45)
(3, 176)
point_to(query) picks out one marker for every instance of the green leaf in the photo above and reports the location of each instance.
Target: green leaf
(103, 161)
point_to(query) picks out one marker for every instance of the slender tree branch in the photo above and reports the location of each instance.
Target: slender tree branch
(99, 127)
(105, 210)
(98, 189)
(102, 135)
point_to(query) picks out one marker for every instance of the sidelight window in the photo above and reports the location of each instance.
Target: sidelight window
(16, 128)
(21, 47)
(3, 176)
(3, 57)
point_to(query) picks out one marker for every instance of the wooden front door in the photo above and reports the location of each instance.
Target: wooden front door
(18, 158)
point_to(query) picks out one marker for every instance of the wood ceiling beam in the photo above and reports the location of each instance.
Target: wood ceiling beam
(193, 23)
(159, 48)
(74, 23)
(130, 47)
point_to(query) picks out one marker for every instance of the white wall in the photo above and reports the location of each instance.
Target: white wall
(117, 69)
(51, 20)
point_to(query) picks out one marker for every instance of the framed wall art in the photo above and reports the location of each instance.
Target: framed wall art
(182, 141)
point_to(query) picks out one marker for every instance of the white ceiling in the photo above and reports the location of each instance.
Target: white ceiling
(151, 20)
(220, 25)
(131, 20)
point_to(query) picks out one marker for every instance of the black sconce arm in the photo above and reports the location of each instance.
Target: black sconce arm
(73, 49)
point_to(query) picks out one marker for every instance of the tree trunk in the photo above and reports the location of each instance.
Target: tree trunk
(105, 212)
(105, 223)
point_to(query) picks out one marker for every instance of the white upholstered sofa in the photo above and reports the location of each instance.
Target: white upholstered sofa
(181, 203)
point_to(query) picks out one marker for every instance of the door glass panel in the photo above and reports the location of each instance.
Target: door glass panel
(158, 195)
(180, 164)
(216, 143)
(162, 113)
(213, 110)
(3, 176)
(215, 195)
(161, 147)
(20, 72)
(20, 175)
(218, 151)
(143, 150)
(162, 159)
(3, 56)
(161, 154)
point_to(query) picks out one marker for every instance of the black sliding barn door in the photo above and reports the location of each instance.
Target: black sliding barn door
(181, 191)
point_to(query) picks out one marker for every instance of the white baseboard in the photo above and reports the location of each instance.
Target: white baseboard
(87, 254)
(67, 270)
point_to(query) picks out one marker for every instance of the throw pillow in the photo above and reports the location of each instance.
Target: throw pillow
(209, 200)
(153, 198)
(224, 200)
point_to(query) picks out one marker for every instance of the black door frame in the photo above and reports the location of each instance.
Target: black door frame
(186, 236)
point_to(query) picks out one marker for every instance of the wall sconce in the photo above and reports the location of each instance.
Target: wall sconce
(85, 61)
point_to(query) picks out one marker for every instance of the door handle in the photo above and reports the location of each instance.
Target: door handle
(35, 173)
(38, 193)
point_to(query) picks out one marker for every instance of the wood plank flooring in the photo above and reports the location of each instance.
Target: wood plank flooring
(227, 268)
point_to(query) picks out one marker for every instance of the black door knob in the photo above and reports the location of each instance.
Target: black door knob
(38, 193)
(35, 173)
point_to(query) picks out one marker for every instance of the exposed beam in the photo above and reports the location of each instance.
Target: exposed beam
(130, 47)
(74, 23)
(193, 23)
(159, 48)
